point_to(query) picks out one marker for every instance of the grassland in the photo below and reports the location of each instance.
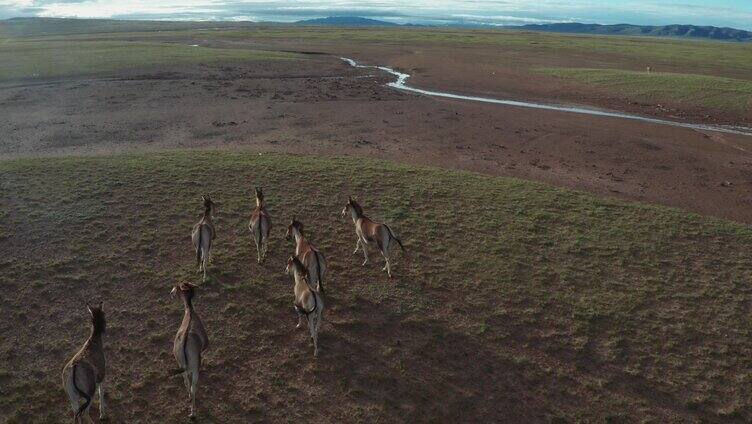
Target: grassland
(651, 50)
(697, 78)
(698, 55)
(711, 92)
(40, 58)
(517, 302)
(38, 27)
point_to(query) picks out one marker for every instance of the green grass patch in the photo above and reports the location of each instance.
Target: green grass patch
(579, 308)
(714, 92)
(46, 58)
(702, 56)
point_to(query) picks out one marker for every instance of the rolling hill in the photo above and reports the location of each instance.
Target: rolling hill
(710, 32)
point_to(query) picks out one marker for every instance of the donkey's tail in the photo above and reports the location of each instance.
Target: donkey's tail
(81, 393)
(391, 233)
(198, 245)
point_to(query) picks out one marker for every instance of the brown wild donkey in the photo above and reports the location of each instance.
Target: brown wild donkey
(308, 302)
(370, 233)
(260, 225)
(308, 254)
(84, 373)
(190, 342)
(203, 235)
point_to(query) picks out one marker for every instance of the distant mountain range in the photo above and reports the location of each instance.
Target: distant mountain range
(345, 21)
(710, 32)
(16, 27)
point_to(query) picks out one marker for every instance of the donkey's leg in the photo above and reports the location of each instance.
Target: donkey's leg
(86, 417)
(300, 318)
(75, 404)
(387, 265)
(201, 261)
(365, 252)
(187, 382)
(194, 389)
(205, 262)
(314, 333)
(357, 246)
(258, 250)
(102, 405)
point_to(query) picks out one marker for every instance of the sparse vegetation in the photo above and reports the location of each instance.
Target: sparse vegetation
(699, 75)
(38, 58)
(713, 92)
(516, 301)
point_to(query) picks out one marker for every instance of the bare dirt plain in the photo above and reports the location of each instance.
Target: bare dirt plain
(321, 106)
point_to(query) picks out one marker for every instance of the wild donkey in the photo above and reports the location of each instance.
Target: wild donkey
(84, 374)
(308, 254)
(371, 233)
(260, 225)
(190, 342)
(307, 302)
(203, 234)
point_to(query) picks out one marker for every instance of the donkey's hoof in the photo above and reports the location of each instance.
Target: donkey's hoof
(364, 263)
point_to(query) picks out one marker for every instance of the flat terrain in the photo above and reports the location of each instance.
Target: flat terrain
(488, 62)
(24, 59)
(516, 302)
(317, 104)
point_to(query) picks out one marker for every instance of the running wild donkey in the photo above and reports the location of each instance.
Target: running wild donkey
(371, 233)
(307, 301)
(308, 254)
(260, 225)
(190, 342)
(203, 235)
(84, 374)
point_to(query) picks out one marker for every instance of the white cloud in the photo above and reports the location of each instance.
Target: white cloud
(712, 12)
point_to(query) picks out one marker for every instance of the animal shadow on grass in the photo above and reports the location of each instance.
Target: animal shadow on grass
(419, 370)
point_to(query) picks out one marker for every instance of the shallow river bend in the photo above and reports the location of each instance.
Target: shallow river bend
(401, 84)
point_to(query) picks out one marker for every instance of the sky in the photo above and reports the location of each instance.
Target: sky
(730, 13)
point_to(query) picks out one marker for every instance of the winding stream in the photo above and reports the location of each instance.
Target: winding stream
(401, 84)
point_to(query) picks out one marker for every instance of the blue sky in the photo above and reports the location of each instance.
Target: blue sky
(733, 13)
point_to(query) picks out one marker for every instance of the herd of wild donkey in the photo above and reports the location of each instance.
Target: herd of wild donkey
(84, 374)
